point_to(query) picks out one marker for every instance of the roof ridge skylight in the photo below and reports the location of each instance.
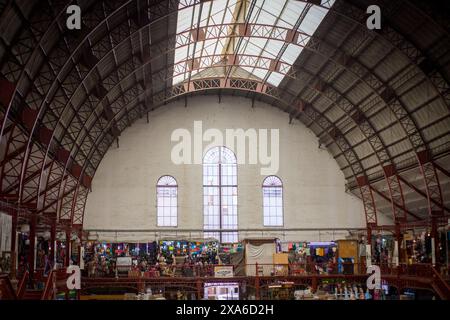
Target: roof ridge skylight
(265, 35)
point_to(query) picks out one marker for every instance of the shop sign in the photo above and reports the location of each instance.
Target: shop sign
(223, 271)
(124, 263)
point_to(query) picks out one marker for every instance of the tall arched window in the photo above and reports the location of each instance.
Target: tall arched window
(273, 201)
(166, 199)
(220, 194)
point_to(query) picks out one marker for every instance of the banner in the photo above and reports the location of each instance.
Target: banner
(223, 271)
(261, 255)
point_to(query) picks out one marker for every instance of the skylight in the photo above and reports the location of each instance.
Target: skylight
(219, 38)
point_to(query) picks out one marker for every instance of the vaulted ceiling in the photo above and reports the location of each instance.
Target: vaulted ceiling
(378, 100)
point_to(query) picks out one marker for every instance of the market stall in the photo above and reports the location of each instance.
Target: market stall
(348, 256)
(259, 256)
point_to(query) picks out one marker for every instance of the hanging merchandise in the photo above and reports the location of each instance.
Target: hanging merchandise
(308, 251)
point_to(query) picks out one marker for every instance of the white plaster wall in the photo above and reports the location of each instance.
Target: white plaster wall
(123, 196)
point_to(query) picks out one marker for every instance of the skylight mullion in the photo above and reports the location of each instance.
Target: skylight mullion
(267, 40)
(247, 40)
(224, 10)
(299, 21)
(195, 42)
(236, 49)
(202, 49)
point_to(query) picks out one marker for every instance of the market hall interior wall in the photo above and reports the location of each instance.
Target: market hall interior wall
(124, 187)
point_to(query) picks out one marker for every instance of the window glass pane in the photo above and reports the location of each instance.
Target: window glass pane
(272, 201)
(220, 193)
(166, 193)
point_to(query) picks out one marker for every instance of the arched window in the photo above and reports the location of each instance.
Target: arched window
(166, 199)
(273, 201)
(220, 194)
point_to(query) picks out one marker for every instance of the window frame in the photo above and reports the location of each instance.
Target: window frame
(175, 186)
(220, 186)
(281, 186)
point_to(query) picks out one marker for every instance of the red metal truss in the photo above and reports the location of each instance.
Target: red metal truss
(375, 141)
(11, 164)
(370, 209)
(432, 186)
(402, 43)
(95, 115)
(422, 193)
(272, 28)
(396, 194)
(368, 200)
(402, 115)
(78, 206)
(399, 207)
(225, 60)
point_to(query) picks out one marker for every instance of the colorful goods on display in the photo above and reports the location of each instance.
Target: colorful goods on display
(174, 247)
(188, 247)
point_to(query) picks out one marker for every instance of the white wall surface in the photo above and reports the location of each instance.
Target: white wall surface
(124, 187)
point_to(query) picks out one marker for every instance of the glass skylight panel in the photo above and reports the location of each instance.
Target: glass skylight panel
(212, 13)
(283, 14)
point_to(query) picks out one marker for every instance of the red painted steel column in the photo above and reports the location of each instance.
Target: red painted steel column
(13, 244)
(370, 211)
(199, 289)
(67, 260)
(257, 294)
(53, 242)
(435, 238)
(32, 238)
(314, 283)
(434, 197)
(80, 236)
(398, 240)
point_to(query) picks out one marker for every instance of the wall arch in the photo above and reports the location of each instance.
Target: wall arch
(314, 186)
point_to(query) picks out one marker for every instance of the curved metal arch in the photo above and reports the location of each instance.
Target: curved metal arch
(174, 8)
(225, 60)
(428, 170)
(44, 161)
(41, 108)
(397, 40)
(357, 116)
(141, 66)
(341, 142)
(97, 26)
(412, 132)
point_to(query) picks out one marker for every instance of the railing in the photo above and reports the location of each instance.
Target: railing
(208, 270)
(55, 281)
(22, 285)
(6, 289)
(402, 276)
(292, 269)
(440, 285)
(50, 286)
